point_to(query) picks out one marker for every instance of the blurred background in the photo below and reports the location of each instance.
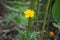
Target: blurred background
(12, 13)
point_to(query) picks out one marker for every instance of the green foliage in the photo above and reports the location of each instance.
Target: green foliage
(10, 16)
(56, 11)
(13, 16)
(21, 18)
(18, 17)
(27, 36)
(18, 5)
(56, 25)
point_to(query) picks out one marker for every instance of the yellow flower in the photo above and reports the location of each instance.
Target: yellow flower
(29, 13)
(51, 34)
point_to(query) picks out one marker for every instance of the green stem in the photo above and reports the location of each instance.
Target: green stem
(29, 24)
(37, 14)
(32, 4)
(48, 20)
(50, 11)
(46, 12)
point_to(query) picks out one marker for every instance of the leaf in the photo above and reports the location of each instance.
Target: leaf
(17, 5)
(10, 16)
(56, 11)
(56, 25)
(21, 33)
(33, 35)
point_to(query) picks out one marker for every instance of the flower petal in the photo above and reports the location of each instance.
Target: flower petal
(26, 16)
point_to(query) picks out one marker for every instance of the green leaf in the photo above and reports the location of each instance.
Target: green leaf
(18, 5)
(56, 25)
(56, 11)
(21, 33)
(33, 35)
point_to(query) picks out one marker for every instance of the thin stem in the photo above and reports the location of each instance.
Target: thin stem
(29, 24)
(32, 4)
(50, 11)
(46, 12)
(37, 14)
